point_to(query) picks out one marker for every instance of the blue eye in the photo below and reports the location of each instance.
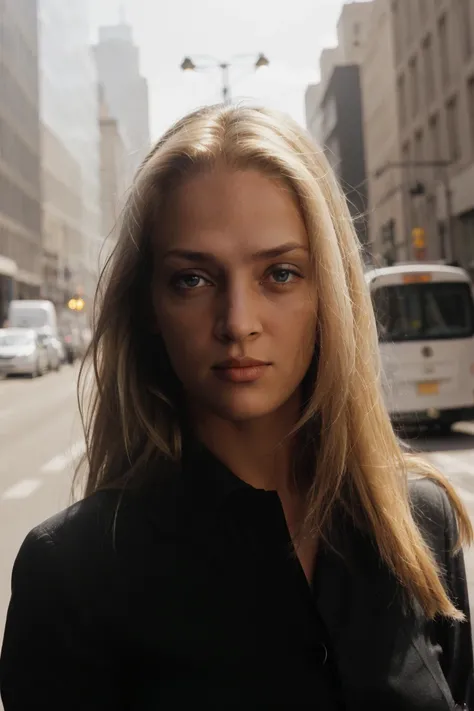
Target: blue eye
(283, 275)
(188, 281)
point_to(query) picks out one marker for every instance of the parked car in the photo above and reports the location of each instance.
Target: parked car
(54, 350)
(22, 352)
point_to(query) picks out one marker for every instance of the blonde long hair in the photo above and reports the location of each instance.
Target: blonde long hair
(132, 420)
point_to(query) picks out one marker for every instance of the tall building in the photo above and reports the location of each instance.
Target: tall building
(20, 185)
(343, 140)
(434, 65)
(387, 226)
(334, 109)
(112, 175)
(313, 112)
(70, 150)
(126, 91)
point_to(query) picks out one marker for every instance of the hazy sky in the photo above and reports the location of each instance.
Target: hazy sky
(291, 33)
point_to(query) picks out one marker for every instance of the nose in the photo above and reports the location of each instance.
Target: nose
(238, 315)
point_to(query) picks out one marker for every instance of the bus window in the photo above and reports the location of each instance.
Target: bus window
(430, 311)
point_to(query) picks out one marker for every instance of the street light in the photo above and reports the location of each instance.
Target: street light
(76, 304)
(188, 65)
(419, 189)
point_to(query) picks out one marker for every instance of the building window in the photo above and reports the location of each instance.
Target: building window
(428, 68)
(406, 154)
(356, 33)
(452, 123)
(435, 144)
(463, 9)
(443, 49)
(402, 100)
(414, 86)
(434, 137)
(419, 146)
(470, 99)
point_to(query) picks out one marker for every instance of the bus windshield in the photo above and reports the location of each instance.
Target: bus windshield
(416, 312)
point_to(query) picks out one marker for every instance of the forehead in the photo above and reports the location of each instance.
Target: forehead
(226, 208)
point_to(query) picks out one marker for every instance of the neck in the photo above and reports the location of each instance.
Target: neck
(258, 451)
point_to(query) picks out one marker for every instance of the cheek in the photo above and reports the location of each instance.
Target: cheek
(185, 333)
(297, 318)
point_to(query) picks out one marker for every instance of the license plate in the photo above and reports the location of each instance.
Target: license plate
(428, 388)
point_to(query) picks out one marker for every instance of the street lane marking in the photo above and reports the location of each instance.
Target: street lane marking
(62, 461)
(22, 489)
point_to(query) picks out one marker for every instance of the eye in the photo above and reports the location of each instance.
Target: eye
(284, 275)
(189, 281)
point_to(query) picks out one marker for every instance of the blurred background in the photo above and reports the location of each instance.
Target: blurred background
(386, 87)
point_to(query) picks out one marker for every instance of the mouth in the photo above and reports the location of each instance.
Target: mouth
(241, 370)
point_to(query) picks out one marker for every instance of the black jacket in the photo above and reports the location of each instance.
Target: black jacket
(187, 595)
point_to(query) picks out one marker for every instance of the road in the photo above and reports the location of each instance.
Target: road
(40, 440)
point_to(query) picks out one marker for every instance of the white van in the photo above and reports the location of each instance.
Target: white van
(425, 318)
(37, 314)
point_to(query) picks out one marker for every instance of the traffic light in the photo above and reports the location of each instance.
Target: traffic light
(418, 237)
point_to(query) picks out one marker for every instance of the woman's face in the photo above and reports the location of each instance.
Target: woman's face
(233, 294)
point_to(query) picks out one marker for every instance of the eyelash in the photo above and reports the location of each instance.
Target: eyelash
(283, 268)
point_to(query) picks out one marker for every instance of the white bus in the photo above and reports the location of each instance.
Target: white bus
(425, 319)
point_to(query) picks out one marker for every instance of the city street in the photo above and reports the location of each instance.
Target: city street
(40, 439)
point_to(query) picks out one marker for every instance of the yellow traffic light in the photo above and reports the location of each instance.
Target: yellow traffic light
(72, 304)
(418, 237)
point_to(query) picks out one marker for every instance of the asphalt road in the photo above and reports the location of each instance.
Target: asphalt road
(40, 440)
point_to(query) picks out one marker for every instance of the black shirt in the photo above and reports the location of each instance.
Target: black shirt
(188, 594)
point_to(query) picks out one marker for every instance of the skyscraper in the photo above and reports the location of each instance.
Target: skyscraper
(69, 110)
(125, 90)
(20, 194)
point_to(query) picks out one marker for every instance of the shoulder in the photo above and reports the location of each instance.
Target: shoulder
(434, 514)
(105, 528)
(80, 527)
(429, 497)
(84, 519)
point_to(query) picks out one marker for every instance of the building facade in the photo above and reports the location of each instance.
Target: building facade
(434, 69)
(343, 140)
(113, 170)
(387, 223)
(20, 182)
(69, 111)
(126, 91)
(334, 110)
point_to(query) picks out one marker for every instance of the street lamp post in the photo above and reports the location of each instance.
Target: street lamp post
(446, 186)
(188, 65)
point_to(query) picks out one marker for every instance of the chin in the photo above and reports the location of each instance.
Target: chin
(245, 408)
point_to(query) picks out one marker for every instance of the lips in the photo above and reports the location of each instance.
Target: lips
(239, 363)
(241, 370)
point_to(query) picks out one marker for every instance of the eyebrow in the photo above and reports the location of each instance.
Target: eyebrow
(194, 256)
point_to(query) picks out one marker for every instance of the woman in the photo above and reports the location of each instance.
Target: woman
(248, 536)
